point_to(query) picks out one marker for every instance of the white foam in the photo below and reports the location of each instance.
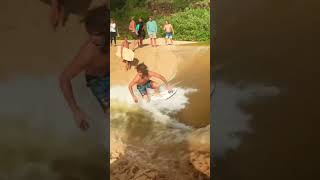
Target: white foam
(35, 117)
(162, 111)
(229, 120)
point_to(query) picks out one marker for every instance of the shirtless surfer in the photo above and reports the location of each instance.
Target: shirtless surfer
(91, 59)
(168, 28)
(143, 81)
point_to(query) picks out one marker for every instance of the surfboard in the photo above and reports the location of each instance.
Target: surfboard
(127, 54)
(164, 95)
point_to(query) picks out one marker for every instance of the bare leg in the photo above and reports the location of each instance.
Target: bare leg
(166, 40)
(129, 65)
(156, 88)
(54, 16)
(155, 42)
(61, 15)
(151, 42)
(146, 97)
(136, 44)
(124, 64)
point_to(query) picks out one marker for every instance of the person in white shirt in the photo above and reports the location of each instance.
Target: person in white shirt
(113, 32)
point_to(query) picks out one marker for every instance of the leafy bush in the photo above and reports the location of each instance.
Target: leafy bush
(190, 25)
(189, 22)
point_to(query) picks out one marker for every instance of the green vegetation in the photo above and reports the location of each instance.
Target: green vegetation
(190, 18)
(190, 25)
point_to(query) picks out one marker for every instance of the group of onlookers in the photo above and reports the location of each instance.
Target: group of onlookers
(137, 31)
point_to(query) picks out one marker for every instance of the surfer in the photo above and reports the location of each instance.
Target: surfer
(125, 44)
(91, 59)
(168, 28)
(143, 81)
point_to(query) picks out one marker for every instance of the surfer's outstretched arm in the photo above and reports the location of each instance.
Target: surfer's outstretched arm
(159, 76)
(132, 83)
(79, 63)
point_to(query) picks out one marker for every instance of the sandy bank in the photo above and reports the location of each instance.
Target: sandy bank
(162, 59)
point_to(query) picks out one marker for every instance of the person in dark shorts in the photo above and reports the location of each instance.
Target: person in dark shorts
(141, 32)
(144, 82)
(133, 32)
(91, 59)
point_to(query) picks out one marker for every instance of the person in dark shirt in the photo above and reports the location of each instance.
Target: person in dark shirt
(141, 31)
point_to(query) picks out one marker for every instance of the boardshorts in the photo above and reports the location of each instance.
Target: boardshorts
(169, 35)
(143, 88)
(100, 89)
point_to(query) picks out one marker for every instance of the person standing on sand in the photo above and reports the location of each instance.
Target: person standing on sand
(113, 32)
(152, 31)
(91, 59)
(168, 28)
(141, 32)
(57, 14)
(133, 32)
(143, 81)
(125, 44)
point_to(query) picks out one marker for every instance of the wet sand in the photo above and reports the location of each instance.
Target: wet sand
(186, 66)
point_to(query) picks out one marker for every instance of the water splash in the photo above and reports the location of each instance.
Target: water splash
(161, 111)
(38, 131)
(229, 120)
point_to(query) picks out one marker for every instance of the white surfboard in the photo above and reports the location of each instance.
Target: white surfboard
(164, 95)
(127, 54)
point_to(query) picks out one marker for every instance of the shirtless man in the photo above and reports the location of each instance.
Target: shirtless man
(168, 28)
(142, 80)
(125, 44)
(91, 59)
(133, 32)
